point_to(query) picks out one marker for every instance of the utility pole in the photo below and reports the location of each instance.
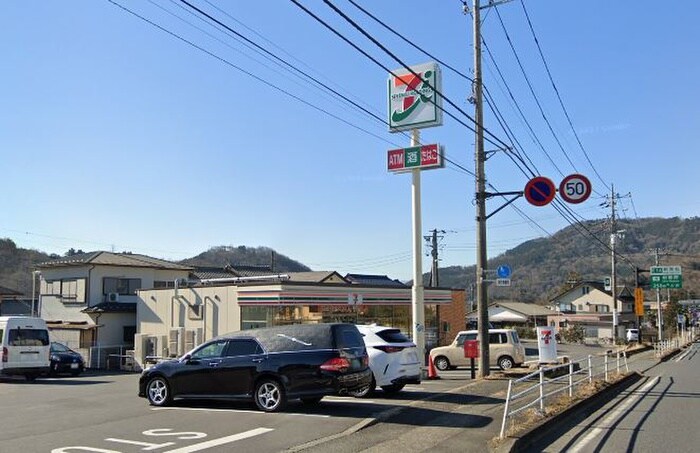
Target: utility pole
(613, 278)
(480, 159)
(433, 239)
(659, 318)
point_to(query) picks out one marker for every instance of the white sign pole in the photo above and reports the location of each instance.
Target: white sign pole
(417, 290)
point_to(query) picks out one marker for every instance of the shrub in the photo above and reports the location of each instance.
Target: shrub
(573, 334)
(526, 332)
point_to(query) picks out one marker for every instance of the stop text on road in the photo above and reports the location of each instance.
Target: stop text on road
(575, 188)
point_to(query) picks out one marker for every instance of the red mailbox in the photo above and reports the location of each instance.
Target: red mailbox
(471, 349)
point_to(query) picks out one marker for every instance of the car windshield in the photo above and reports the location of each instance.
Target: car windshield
(58, 347)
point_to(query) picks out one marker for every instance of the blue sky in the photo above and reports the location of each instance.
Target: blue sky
(116, 135)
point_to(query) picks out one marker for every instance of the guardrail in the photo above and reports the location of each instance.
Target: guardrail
(665, 346)
(538, 388)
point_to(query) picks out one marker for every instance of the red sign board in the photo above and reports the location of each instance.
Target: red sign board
(539, 191)
(471, 349)
(418, 157)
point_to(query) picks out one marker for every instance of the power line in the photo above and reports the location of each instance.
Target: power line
(556, 90)
(532, 90)
(498, 141)
(250, 74)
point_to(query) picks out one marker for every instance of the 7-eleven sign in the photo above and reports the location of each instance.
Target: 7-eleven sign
(413, 101)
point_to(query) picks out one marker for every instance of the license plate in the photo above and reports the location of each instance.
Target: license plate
(74, 365)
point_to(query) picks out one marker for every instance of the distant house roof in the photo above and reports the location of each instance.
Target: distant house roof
(372, 280)
(316, 277)
(8, 292)
(513, 312)
(113, 259)
(201, 273)
(624, 293)
(112, 307)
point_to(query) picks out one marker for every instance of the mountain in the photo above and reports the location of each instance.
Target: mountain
(16, 265)
(542, 267)
(247, 256)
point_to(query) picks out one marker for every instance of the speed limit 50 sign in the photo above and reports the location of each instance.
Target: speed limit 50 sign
(575, 188)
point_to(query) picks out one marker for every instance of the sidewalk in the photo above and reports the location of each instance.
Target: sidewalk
(454, 414)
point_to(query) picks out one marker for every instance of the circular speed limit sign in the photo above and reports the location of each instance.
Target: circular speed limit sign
(575, 188)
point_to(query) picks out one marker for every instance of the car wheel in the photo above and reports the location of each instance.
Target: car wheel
(312, 401)
(158, 392)
(441, 363)
(505, 362)
(270, 396)
(364, 392)
(393, 389)
(31, 377)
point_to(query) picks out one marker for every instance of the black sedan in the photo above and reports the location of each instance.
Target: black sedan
(65, 360)
(269, 366)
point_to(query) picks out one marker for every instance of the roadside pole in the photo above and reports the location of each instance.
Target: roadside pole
(480, 159)
(417, 290)
(659, 318)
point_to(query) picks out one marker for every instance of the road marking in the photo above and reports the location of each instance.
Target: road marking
(221, 441)
(237, 411)
(610, 419)
(684, 355)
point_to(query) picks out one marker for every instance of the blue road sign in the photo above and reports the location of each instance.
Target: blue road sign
(503, 271)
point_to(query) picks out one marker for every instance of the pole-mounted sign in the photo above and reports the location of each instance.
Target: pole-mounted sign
(575, 188)
(415, 157)
(413, 100)
(539, 191)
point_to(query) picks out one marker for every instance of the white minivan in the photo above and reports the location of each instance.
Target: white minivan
(25, 346)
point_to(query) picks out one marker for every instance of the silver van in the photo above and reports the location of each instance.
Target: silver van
(24, 343)
(505, 350)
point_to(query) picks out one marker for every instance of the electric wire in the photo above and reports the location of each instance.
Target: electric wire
(498, 141)
(250, 74)
(318, 82)
(556, 90)
(532, 90)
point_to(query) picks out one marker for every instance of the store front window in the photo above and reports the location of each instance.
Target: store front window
(398, 316)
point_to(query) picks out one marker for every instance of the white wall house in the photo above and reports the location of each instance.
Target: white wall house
(89, 299)
(591, 306)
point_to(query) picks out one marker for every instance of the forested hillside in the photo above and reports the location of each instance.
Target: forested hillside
(541, 267)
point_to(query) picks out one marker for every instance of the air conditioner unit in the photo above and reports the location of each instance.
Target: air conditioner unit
(113, 297)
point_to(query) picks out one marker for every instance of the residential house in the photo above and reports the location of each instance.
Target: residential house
(591, 306)
(89, 299)
(508, 313)
(12, 303)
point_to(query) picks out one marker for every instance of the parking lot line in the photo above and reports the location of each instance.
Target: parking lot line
(221, 441)
(238, 411)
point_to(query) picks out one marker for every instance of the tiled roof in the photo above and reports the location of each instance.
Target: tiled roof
(112, 307)
(312, 276)
(525, 308)
(373, 280)
(201, 273)
(250, 270)
(113, 259)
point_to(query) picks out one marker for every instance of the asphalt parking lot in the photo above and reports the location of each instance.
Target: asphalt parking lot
(101, 412)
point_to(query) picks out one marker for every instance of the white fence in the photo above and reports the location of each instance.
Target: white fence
(538, 388)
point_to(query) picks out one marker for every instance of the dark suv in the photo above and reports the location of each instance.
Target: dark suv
(270, 366)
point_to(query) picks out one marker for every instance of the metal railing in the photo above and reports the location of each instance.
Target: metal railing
(682, 339)
(538, 388)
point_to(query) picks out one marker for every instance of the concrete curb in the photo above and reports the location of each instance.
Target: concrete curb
(528, 441)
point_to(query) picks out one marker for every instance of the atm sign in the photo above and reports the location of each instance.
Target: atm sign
(418, 157)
